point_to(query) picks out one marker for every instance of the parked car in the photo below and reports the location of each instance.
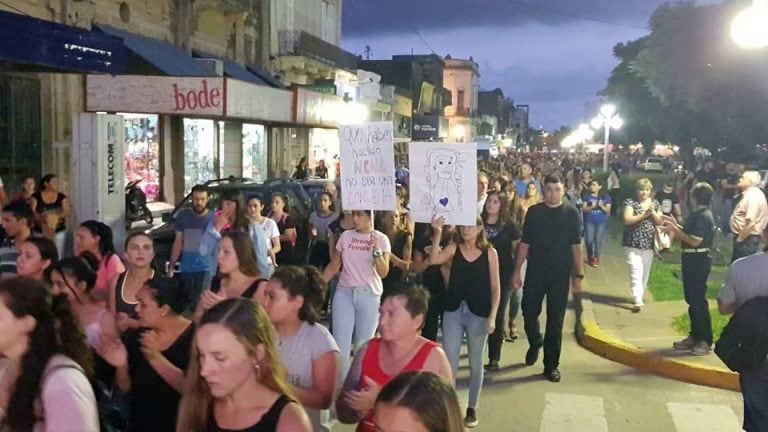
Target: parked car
(299, 202)
(652, 164)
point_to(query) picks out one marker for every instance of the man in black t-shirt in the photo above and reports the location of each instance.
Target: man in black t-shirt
(696, 240)
(551, 244)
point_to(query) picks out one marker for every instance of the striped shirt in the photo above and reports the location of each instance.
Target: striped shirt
(8, 255)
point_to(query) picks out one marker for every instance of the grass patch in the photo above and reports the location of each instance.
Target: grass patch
(682, 324)
(665, 282)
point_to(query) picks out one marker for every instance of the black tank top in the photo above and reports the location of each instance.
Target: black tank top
(268, 422)
(120, 304)
(43, 207)
(216, 287)
(469, 282)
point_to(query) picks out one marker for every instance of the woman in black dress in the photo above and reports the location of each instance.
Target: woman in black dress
(150, 362)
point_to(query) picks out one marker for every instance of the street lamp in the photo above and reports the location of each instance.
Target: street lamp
(607, 118)
(749, 28)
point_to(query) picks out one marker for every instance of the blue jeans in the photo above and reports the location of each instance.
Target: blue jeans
(355, 310)
(595, 233)
(754, 389)
(455, 325)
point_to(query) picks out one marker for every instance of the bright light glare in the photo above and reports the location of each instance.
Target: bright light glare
(458, 132)
(596, 123)
(616, 122)
(749, 29)
(608, 110)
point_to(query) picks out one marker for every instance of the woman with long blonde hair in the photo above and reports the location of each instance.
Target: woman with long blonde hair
(235, 380)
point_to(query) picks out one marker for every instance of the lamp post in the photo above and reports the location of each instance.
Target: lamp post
(749, 28)
(607, 118)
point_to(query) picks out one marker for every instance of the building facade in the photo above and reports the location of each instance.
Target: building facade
(462, 79)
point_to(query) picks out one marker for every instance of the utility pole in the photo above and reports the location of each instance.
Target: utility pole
(368, 52)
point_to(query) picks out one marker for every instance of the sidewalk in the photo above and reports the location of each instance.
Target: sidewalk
(643, 340)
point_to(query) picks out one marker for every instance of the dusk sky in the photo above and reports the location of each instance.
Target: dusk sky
(554, 55)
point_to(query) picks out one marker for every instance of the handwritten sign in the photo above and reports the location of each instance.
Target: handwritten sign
(367, 166)
(443, 182)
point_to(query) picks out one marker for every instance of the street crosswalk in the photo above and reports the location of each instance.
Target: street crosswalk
(569, 412)
(565, 412)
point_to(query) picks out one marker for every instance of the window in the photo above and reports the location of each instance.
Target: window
(460, 103)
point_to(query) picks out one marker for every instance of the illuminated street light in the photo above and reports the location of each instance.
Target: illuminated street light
(749, 29)
(609, 119)
(458, 133)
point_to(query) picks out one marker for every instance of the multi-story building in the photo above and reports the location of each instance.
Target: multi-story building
(462, 78)
(184, 75)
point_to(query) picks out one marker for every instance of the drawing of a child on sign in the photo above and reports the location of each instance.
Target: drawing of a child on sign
(443, 171)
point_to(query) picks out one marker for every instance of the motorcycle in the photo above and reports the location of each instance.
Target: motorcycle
(136, 205)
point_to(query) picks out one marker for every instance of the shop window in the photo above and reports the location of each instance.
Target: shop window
(142, 153)
(199, 152)
(255, 152)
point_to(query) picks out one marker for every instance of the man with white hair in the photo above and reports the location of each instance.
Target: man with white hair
(749, 217)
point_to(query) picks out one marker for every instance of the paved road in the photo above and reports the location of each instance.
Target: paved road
(595, 395)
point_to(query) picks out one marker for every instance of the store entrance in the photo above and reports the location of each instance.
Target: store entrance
(142, 153)
(20, 134)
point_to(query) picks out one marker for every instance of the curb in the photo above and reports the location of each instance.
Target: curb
(595, 339)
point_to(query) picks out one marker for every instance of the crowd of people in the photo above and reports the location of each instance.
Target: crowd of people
(234, 338)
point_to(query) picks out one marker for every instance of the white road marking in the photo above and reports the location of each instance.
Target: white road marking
(569, 412)
(689, 417)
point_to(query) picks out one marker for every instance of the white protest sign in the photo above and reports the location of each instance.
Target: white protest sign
(367, 154)
(443, 182)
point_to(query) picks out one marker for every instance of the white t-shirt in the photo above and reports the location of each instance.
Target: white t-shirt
(297, 354)
(357, 259)
(270, 229)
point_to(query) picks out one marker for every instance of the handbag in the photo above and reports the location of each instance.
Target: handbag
(661, 240)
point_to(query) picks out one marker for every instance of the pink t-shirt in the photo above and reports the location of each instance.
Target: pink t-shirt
(357, 259)
(107, 269)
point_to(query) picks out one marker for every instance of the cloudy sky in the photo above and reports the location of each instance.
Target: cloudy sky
(554, 55)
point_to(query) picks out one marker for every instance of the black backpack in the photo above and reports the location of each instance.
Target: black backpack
(743, 345)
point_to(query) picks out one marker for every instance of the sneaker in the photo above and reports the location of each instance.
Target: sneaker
(553, 375)
(492, 366)
(532, 355)
(685, 344)
(596, 262)
(637, 307)
(470, 420)
(701, 348)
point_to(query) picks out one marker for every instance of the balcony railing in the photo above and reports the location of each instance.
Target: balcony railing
(301, 43)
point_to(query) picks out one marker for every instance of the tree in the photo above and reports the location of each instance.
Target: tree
(714, 91)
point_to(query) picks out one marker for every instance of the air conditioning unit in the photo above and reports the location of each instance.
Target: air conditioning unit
(215, 66)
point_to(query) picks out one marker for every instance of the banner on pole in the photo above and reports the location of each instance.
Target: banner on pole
(367, 155)
(443, 182)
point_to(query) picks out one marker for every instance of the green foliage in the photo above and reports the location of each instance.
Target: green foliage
(665, 282)
(687, 81)
(682, 323)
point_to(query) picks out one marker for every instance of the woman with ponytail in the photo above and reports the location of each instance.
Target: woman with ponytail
(75, 278)
(45, 363)
(235, 380)
(96, 237)
(307, 349)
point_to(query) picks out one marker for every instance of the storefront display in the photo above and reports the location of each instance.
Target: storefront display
(199, 152)
(255, 152)
(142, 153)
(323, 146)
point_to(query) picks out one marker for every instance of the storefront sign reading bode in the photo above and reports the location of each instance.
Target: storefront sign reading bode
(367, 166)
(156, 95)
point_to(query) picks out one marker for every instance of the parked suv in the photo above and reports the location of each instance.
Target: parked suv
(652, 164)
(299, 207)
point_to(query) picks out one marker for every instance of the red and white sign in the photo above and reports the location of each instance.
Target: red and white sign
(156, 95)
